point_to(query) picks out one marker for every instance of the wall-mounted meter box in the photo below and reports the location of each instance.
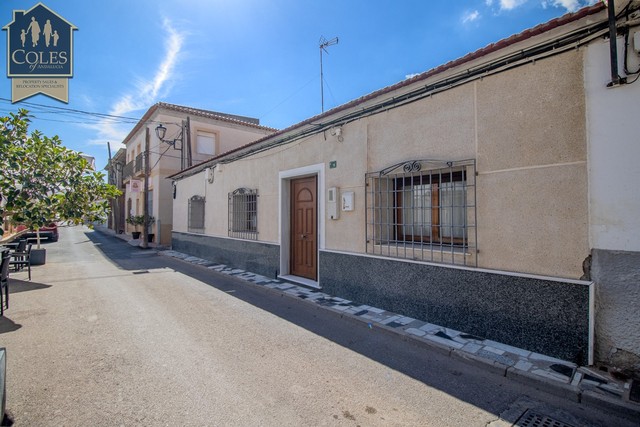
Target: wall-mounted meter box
(347, 201)
(332, 203)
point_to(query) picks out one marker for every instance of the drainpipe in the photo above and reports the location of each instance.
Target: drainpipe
(616, 80)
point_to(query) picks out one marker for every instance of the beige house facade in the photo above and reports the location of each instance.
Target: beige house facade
(462, 196)
(190, 136)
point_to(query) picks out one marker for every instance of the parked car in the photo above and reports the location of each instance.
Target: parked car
(49, 232)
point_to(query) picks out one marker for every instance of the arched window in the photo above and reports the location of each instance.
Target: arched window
(196, 214)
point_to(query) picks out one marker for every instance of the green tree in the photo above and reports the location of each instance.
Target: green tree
(43, 181)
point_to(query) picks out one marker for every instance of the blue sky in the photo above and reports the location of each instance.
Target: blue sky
(258, 58)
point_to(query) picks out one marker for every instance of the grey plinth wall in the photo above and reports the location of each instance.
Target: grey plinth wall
(543, 316)
(256, 257)
(617, 278)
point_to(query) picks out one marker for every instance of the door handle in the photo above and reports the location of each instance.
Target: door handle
(303, 236)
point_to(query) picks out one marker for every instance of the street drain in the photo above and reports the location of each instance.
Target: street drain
(634, 394)
(141, 272)
(532, 419)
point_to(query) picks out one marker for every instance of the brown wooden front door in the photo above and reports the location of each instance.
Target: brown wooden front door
(304, 228)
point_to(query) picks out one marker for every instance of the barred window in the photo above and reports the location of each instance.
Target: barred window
(196, 214)
(423, 210)
(243, 214)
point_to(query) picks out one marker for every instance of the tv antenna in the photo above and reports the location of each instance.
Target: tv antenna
(324, 43)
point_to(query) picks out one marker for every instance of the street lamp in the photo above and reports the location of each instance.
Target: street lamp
(161, 132)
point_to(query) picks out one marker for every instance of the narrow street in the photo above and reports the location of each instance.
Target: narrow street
(107, 334)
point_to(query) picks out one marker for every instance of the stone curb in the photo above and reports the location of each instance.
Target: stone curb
(541, 383)
(610, 404)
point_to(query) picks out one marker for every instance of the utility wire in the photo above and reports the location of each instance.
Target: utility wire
(64, 110)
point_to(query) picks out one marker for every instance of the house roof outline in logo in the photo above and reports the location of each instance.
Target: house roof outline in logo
(39, 44)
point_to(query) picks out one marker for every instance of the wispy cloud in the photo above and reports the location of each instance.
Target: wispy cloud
(146, 91)
(511, 4)
(569, 5)
(470, 16)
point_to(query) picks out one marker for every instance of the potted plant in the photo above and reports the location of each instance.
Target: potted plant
(135, 220)
(44, 182)
(138, 221)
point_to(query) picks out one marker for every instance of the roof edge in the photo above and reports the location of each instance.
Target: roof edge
(194, 111)
(491, 48)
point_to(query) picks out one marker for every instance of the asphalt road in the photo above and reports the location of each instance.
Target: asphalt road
(109, 335)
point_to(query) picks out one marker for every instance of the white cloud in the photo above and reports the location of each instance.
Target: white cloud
(145, 92)
(569, 5)
(511, 4)
(470, 16)
(488, 2)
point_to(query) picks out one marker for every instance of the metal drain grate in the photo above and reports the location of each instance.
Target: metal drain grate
(634, 393)
(532, 419)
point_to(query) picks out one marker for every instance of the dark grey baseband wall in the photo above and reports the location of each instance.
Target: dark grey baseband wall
(247, 255)
(543, 316)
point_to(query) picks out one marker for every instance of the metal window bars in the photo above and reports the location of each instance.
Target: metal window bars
(243, 214)
(423, 210)
(196, 214)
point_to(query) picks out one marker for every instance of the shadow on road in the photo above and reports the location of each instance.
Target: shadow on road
(121, 254)
(8, 325)
(17, 286)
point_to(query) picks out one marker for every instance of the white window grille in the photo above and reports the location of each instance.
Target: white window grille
(243, 214)
(196, 214)
(423, 210)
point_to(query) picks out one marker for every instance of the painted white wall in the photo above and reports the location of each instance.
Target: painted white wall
(613, 129)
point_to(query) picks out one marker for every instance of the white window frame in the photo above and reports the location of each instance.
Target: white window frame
(205, 140)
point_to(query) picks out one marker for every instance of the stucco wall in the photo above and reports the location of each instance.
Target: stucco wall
(614, 151)
(614, 202)
(532, 192)
(617, 278)
(526, 129)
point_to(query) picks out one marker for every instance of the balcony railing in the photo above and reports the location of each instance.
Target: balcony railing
(139, 166)
(127, 171)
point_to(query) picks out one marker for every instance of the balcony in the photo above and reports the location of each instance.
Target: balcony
(139, 164)
(127, 171)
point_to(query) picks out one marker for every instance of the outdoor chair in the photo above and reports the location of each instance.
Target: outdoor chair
(19, 246)
(4, 282)
(19, 260)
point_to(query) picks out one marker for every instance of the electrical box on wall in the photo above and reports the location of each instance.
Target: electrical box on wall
(347, 201)
(332, 203)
